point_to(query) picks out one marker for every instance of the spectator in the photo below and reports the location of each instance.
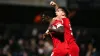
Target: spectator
(90, 50)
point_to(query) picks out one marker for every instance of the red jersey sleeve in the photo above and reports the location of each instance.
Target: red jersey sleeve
(65, 22)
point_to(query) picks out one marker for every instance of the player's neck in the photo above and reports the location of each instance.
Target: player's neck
(63, 16)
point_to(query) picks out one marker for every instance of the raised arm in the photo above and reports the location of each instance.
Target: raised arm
(55, 5)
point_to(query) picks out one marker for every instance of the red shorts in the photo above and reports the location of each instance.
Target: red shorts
(74, 49)
(60, 50)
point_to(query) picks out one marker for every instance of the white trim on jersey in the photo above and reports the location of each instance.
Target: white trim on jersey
(52, 53)
(70, 55)
(54, 27)
(58, 25)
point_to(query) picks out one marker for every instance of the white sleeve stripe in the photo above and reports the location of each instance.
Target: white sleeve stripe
(58, 25)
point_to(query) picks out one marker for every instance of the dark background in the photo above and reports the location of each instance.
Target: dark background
(18, 21)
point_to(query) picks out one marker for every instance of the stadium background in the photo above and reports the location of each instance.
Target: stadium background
(21, 30)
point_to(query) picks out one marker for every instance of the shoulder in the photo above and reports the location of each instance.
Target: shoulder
(53, 19)
(65, 18)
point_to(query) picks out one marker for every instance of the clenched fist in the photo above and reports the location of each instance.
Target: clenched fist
(52, 3)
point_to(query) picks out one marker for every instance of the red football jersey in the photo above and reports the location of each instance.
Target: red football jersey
(68, 34)
(58, 41)
(55, 39)
(68, 45)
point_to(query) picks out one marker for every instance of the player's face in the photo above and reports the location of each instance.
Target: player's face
(59, 12)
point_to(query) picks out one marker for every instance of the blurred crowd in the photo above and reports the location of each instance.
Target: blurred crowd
(37, 46)
(25, 47)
